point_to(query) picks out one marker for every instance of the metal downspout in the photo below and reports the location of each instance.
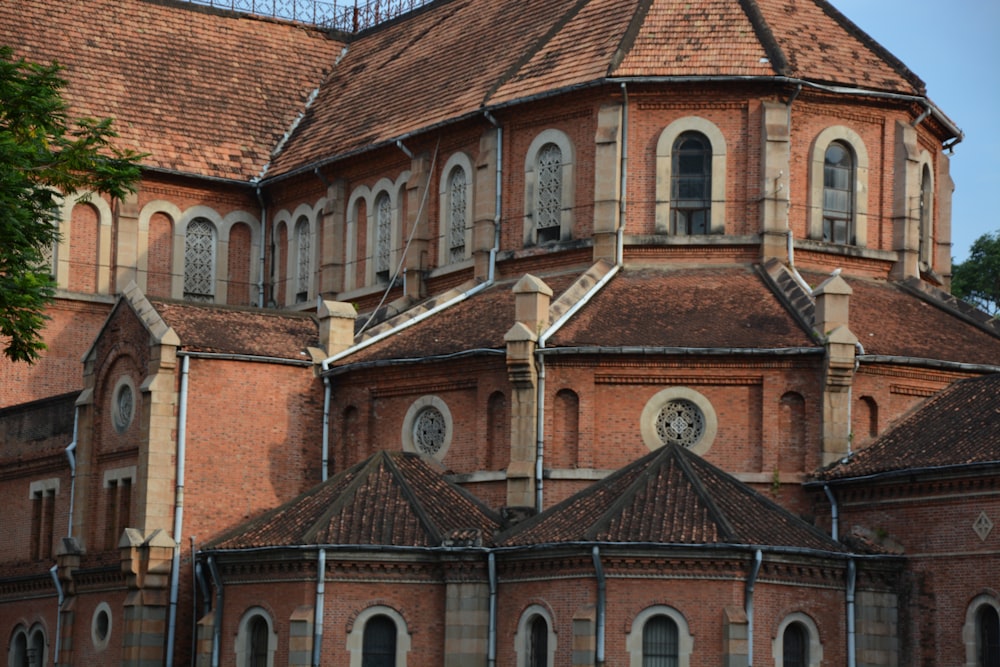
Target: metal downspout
(217, 620)
(601, 606)
(758, 556)
(498, 203)
(320, 597)
(834, 512)
(622, 198)
(539, 430)
(178, 508)
(491, 638)
(263, 248)
(327, 391)
(852, 574)
(54, 573)
(71, 457)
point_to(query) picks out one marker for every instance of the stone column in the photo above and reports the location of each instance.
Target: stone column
(145, 564)
(774, 187)
(944, 187)
(466, 624)
(906, 203)
(336, 326)
(418, 253)
(301, 636)
(831, 320)
(332, 242)
(484, 208)
(131, 248)
(67, 562)
(735, 637)
(607, 182)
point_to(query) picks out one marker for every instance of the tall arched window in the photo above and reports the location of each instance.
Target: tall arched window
(303, 245)
(926, 215)
(838, 193)
(199, 260)
(18, 656)
(538, 642)
(379, 644)
(383, 237)
(795, 646)
(457, 214)
(691, 185)
(257, 642)
(660, 642)
(535, 642)
(28, 649)
(988, 636)
(548, 200)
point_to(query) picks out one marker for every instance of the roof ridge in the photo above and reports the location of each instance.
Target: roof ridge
(364, 469)
(624, 498)
(418, 508)
(695, 480)
(952, 305)
(628, 38)
(775, 54)
(800, 304)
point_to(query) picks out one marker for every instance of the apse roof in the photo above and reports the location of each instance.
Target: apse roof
(391, 499)
(957, 428)
(670, 496)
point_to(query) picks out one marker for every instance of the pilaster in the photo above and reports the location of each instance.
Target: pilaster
(331, 239)
(775, 169)
(466, 631)
(484, 212)
(129, 241)
(145, 564)
(906, 203)
(417, 227)
(607, 181)
(831, 321)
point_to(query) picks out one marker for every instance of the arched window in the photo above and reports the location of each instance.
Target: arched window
(457, 214)
(659, 642)
(303, 245)
(691, 185)
(838, 193)
(379, 645)
(988, 636)
(535, 643)
(27, 648)
(256, 640)
(795, 646)
(548, 202)
(199, 260)
(18, 655)
(548, 189)
(926, 216)
(538, 642)
(383, 237)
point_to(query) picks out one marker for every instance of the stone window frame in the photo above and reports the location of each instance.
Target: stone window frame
(303, 237)
(858, 234)
(117, 506)
(100, 643)
(409, 420)
(396, 191)
(925, 211)
(461, 161)
(970, 628)
(815, 645)
(633, 640)
(241, 647)
(123, 383)
(209, 297)
(43, 492)
(568, 185)
(664, 171)
(61, 252)
(29, 635)
(650, 412)
(523, 634)
(355, 638)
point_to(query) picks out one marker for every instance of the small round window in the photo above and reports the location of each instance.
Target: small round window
(123, 405)
(680, 421)
(427, 427)
(100, 626)
(679, 416)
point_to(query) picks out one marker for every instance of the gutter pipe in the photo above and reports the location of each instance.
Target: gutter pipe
(71, 457)
(852, 574)
(491, 640)
(601, 606)
(263, 246)
(178, 506)
(318, 616)
(53, 572)
(213, 570)
(834, 512)
(327, 391)
(758, 557)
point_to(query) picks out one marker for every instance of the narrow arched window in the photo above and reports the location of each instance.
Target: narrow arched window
(379, 643)
(988, 636)
(838, 193)
(383, 237)
(926, 208)
(19, 650)
(538, 642)
(457, 210)
(199, 260)
(795, 646)
(548, 202)
(257, 642)
(691, 184)
(659, 642)
(303, 244)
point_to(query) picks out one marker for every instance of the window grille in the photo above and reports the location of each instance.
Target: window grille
(257, 648)
(538, 642)
(379, 643)
(691, 184)
(838, 193)
(659, 643)
(303, 243)
(199, 261)
(548, 204)
(456, 214)
(383, 237)
(795, 646)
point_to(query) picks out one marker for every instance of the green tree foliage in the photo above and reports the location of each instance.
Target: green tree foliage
(43, 156)
(977, 279)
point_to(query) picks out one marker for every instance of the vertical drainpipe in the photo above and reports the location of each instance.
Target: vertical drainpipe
(834, 513)
(491, 637)
(748, 602)
(540, 429)
(71, 457)
(498, 203)
(178, 507)
(327, 390)
(217, 621)
(263, 254)
(852, 574)
(622, 199)
(318, 615)
(53, 572)
(601, 607)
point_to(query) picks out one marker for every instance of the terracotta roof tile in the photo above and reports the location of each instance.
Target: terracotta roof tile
(670, 496)
(701, 308)
(202, 91)
(264, 333)
(390, 499)
(958, 427)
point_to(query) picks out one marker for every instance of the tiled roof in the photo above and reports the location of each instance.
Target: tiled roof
(264, 333)
(202, 91)
(391, 499)
(958, 427)
(670, 496)
(727, 307)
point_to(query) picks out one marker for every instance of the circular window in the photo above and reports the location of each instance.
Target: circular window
(123, 405)
(680, 416)
(100, 625)
(427, 427)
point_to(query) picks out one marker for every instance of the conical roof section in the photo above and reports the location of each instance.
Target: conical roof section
(391, 499)
(671, 497)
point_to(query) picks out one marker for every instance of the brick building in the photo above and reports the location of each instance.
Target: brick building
(584, 332)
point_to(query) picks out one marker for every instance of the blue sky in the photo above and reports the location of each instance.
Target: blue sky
(954, 46)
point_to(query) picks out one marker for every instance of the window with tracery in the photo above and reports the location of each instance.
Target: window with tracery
(199, 261)
(303, 243)
(383, 237)
(457, 211)
(838, 193)
(681, 422)
(429, 430)
(691, 185)
(548, 201)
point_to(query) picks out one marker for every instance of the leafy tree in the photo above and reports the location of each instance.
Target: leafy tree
(43, 156)
(977, 279)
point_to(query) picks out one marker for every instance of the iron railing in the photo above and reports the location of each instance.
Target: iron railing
(345, 15)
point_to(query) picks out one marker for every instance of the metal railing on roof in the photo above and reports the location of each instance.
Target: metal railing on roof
(345, 15)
